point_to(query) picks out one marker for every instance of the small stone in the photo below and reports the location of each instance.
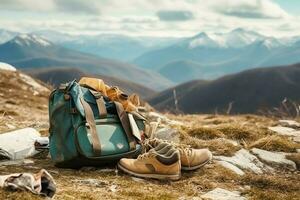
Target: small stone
(140, 180)
(17, 162)
(169, 134)
(106, 170)
(289, 123)
(231, 167)
(296, 139)
(28, 162)
(222, 194)
(286, 131)
(91, 182)
(113, 188)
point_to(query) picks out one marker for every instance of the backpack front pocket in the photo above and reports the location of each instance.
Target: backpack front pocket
(111, 134)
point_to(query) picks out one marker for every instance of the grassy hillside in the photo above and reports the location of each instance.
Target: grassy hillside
(248, 91)
(55, 76)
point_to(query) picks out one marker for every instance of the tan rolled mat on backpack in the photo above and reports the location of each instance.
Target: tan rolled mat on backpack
(130, 103)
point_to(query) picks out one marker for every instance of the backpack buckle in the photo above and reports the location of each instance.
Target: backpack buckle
(73, 111)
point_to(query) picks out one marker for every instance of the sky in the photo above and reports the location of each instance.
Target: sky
(161, 18)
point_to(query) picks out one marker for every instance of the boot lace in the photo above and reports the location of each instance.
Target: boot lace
(184, 149)
(144, 156)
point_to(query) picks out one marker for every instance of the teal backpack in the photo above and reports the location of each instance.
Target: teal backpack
(87, 129)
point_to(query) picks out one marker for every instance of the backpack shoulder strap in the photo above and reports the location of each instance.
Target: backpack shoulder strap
(89, 115)
(123, 116)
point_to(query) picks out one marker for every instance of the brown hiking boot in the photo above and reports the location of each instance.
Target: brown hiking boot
(153, 165)
(191, 159)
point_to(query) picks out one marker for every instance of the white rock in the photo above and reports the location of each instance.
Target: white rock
(275, 158)
(231, 167)
(296, 139)
(298, 150)
(289, 123)
(168, 134)
(113, 188)
(154, 116)
(245, 160)
(20, 143)
(222, 194)
(8, 67)
(17, 162)
(34, 84)
(286, 131)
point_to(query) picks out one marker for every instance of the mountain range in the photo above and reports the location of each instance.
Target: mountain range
(208, 56)
(248, 92)
(27, 51)
(112, 46)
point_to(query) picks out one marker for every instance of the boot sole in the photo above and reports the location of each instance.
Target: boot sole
(174, 177)
(194, 167)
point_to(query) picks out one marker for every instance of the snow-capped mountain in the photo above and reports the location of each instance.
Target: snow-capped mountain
(29, 40)
(210, 55)
(27, 51)
(236, 38)
(6, 35)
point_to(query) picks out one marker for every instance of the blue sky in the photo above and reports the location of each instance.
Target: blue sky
(168, 18)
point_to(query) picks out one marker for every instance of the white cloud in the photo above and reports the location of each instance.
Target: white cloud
(250, 9)
(141, 17)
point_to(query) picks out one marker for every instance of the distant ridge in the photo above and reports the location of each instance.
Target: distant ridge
(248, 91)
(55, 76)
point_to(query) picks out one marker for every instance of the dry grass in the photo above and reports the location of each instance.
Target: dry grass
(272, 187)
(205, 133)
(296, 158)
(258, 194)
(275, 143)
(218, 146)
(238, 132)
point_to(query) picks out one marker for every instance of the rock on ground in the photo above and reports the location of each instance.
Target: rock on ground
(289, 123)
(5, 66)
(285, 131)
(154, 116)
(20, 143)
(34, 84)
(222, 194)
(231, 167)
(169, 134)
(245, 160)
(274, 158)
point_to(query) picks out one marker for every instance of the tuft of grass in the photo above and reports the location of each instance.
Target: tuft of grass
(275, 143)
(295, 157)
(263, 182)
(272, 187)
(257, 194)
(18, 195)
(237, 132)
(218, 146)
(205, 133)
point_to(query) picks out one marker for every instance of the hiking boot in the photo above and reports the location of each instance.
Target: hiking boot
(190, 158)
(153, 165)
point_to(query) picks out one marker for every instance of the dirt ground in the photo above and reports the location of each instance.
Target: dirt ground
(20, 108)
